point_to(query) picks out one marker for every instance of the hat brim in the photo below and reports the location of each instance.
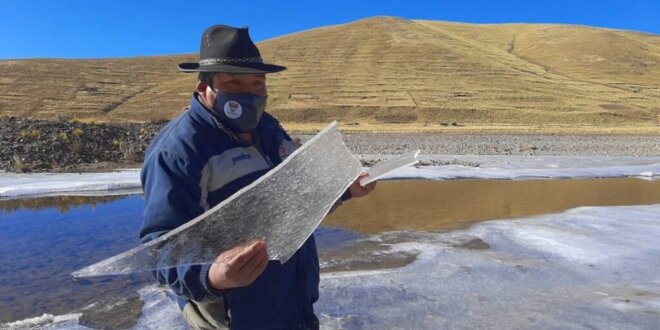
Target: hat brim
(227, 68)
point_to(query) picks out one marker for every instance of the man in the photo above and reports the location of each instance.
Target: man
(221, 144)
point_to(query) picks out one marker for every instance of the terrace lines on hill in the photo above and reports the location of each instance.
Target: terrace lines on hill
(379, 70)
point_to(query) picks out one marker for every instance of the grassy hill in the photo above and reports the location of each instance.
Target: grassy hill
(384, 74)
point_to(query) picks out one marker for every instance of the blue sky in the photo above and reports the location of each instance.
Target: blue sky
(115, 28)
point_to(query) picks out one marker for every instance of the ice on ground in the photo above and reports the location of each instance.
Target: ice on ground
(47, 321)
(531, 167)
(490, 167)
(28, 185)
(587, 268)
(283, 207)
(159, 310)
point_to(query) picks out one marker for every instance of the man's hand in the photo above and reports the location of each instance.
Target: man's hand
(357, 190)
(239, 266)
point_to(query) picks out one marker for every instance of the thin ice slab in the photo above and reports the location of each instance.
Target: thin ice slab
(383, 168)
(283, 207)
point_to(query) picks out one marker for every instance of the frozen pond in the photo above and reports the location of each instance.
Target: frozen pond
(421, 256)
(587, 268)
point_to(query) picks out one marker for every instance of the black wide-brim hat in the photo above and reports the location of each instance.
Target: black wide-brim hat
(229, 49)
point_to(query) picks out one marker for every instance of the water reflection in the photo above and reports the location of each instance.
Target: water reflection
(452, 204)
(40, 248)
(44, 239)
(61, 203)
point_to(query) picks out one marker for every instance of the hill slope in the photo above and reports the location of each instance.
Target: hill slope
(380, 71)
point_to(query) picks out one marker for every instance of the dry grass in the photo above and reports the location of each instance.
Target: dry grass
(387, 74)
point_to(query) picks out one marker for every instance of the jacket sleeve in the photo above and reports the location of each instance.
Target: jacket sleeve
(173, 196)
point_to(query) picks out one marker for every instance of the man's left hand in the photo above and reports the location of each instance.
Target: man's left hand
(358, 190)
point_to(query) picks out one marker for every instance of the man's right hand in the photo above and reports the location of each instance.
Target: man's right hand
(239, 266)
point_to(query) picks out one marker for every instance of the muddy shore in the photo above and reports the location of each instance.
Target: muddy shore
(63, 146)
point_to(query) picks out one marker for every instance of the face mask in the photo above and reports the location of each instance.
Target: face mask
(240, 112)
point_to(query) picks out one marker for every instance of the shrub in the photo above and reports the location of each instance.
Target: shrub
(128, 150)
(77, 132)
(18, 164)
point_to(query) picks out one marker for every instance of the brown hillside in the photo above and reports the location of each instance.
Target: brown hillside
(93, 89)
(381, 71)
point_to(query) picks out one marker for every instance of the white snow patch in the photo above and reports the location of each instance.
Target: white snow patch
(26, 185)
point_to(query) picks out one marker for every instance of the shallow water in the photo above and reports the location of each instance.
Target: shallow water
(453, 204)
(42, 240)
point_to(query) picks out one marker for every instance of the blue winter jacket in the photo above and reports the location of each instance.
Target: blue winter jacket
(195, 163)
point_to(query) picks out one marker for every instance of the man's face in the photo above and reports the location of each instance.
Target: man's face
(234, 83)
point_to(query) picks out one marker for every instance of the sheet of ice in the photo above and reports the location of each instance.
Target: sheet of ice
(23, 185)
(587, 268)
(527, 167)
(382, 168)
(283, 207)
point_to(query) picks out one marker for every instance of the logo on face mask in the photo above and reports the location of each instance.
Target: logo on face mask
(233, 109)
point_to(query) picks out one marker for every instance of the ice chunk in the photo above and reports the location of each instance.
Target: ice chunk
(282, 207)
(385, 167)
(160, 310)
(47, 321)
